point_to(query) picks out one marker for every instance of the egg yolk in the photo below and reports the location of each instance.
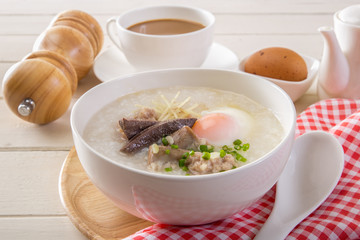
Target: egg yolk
(216, 128)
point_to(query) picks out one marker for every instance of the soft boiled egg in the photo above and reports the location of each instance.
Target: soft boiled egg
(222, 126)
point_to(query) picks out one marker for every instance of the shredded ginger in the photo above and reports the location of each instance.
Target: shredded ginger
(172, 109)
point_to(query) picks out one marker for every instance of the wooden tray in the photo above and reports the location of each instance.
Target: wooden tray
(89, 210)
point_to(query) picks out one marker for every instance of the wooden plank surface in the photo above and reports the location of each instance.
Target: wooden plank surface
(24, 177)
(225, 23)
(41, 7)
(38, 227)
(31, 156)
(96, 217)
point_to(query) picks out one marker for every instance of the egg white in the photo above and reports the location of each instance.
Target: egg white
(243, 120)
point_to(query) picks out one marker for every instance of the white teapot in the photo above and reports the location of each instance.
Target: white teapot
(339, 73)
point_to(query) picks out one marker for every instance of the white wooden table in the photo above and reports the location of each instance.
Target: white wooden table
(31, 156)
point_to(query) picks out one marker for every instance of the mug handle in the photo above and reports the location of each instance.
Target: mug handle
(111, 33)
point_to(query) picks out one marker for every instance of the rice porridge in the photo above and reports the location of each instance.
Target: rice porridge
(183, 130)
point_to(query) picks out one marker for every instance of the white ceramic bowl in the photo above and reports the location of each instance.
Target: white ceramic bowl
(294, 89)
(184, 200)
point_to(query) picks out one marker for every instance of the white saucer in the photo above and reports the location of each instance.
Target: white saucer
(111, 63)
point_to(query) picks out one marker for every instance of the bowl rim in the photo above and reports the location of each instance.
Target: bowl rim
(287, 135)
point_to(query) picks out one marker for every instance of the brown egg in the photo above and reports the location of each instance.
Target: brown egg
(277, 62)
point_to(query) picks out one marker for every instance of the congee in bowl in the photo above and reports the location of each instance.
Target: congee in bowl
(184, 130)
(184, 146)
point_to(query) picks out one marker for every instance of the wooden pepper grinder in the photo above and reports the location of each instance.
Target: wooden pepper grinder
(75, 35)
(39, 88)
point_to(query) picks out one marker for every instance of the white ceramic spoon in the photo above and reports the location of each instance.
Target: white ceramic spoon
(311, 174)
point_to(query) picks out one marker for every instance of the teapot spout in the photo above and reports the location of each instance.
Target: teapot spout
(334, 72)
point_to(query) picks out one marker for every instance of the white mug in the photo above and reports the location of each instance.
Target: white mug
(147, 51)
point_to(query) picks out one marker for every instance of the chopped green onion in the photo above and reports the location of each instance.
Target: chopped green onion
(240, 157)
(182, 162)
(245, 147)
(155, 148)
(185, 168)
(167, 151)
(233, 153)
(206, 155)
(185, 155)
(191, 153)
(203, 148)
(237, 142)
(226, 148)
(170, 139)
(164, 141)
(174, 146)
(237, 147)
(206, 148)
(168, 169)
(222, 153)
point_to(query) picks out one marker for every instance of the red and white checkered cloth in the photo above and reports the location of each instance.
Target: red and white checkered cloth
(337, 218)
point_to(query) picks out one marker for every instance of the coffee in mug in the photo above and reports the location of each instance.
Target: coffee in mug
(157, 47)
(166, 26)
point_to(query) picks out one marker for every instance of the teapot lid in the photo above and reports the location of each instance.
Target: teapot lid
(350, 14)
